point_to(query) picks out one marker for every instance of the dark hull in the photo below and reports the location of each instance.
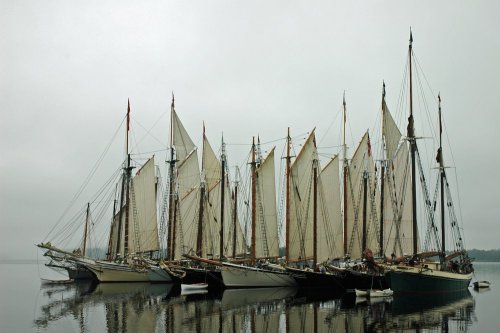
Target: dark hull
(314, 281)
(80, 273)
(362, 280)
(408, 282)
(200, 275)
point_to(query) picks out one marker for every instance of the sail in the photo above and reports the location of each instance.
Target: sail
(180, 138)
(361, 166)
(390, 132)
(113, 238)
(330, 227)
(211, 169)
(397, 205)
(300, 243)
(143, 225)
(266, 227)
(188, 181)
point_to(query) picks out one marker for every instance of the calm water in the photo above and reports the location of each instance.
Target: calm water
(28, 306)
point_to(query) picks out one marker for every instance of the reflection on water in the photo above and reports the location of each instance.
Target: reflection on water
(129, 307)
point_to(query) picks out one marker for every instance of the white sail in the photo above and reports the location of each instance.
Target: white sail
(390, 132)
(180, 138)
(266, 228)
(300, 243)
(397, 188)
(330, 229)
(188, 181)
(398, 230)
(211, 169)
(143, 224)
(360, 166)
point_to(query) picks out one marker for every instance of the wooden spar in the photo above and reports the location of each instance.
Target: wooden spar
(199, 235)
(127, 205)
(203, 260)
(382, 194)
(382, 184)
(235, 213)
(315, 213)
(86, 228)
(254, 201)
(171, 204)
(174, 227)
(345, 170)
(442, 175)
(287, 207)
(222, 189)
(413, 147)
(123, 196)
(365, 202)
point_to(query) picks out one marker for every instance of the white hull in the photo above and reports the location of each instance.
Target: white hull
(235, 276)
(112, 272)
(194, 286)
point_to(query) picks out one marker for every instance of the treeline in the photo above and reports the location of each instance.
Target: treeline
(485, 255)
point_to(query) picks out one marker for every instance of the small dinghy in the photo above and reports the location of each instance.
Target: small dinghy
(194, 286)
(373, 293)
(481, 284)
(47, 281)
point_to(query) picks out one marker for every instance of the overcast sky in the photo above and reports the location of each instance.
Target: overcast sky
(245, 68)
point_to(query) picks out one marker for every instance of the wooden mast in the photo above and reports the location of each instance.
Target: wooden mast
(86, 228)
(365, 204)
(442, 175)
(171, 203)
(235, 211)
(254, 201)
(315, 213)
(124, 196)
(199, 235)
(382, 182)
(287, 207)
(222, 193)
(413, 148)
(345, 170)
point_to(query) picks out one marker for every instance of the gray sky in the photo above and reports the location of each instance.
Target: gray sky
(245, 68)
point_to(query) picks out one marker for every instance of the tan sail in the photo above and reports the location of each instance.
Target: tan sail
(330, 227)
(266, 228)
(361, 164)
(143, 224)
(300, 225)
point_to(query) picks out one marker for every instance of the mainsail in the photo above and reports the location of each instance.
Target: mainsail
(330, 216)
(397, 199)
(266, 228)
(300, 228)
(361, 167)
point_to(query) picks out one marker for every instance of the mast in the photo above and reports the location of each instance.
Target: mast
(287, 207)
(344, 155)
(315, 213)
(171, 203)
(365, 202)
(254, 201)
(222, 189)
(124, 198)
(86, 228)
(439, 159)
(235, 212)
(413, 148)
(199, 235)
(382, 183)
